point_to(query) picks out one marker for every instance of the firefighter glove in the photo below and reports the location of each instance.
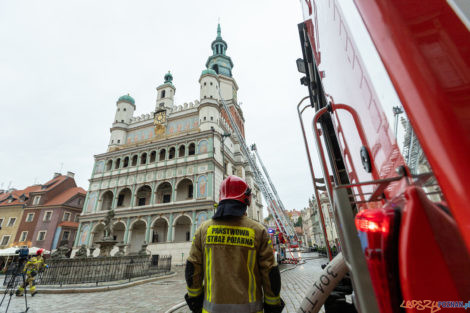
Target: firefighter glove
(274, 308)
(195, 303)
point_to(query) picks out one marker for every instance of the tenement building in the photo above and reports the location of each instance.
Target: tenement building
(162, 171)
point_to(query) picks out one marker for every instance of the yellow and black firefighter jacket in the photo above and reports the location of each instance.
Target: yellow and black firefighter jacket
(232, 264)
(34, 265)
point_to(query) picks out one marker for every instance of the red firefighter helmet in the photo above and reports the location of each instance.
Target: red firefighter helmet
(235, 188)
(40, 251)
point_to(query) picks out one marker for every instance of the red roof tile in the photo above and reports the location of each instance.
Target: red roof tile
(65, 196)
(16, 194)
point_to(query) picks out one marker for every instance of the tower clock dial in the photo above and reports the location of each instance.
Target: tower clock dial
(160, 117)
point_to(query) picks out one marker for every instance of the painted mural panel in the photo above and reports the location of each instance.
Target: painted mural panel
(99, 167)
(201, 218)
(92, 198)
(140, 134)
(203, 146)
(202, 187)
(84, 234)
(182, 125)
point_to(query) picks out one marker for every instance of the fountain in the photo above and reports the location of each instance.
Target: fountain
(108, 242)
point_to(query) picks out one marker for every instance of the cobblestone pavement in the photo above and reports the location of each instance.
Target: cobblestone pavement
(156, 296)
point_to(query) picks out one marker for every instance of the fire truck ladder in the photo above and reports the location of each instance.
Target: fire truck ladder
(280, 219)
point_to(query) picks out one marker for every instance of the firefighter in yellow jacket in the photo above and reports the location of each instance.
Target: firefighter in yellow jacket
(32, 269)
(231, 266)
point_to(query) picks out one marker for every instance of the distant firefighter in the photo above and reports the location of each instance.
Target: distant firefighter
(32, 269)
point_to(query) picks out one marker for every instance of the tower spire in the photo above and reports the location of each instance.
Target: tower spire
(219, 36)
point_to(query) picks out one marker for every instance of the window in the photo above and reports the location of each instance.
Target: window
(163, 93)
(190, 191)
(153, 156)
(171, 154)
(11, 221)
(120, 200)
(143, 158)
(41, 235)
(141, 201)
(191, 149)
(126, 162)
(119, 140)
(188, 236)
(47, 216)
(24, 236)
(162, 154)
(181, 151)
(36, 200)
(134, 160)
(118, 163)
(166, 198)
(109, 165)
(66, 235)
(29, 217)
(66, 216)
(5, 240)
(124, 109)
(76, 218)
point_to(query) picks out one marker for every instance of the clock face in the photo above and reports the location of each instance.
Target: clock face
(160, 117)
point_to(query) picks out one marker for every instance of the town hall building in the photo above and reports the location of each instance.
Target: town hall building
(162, 171)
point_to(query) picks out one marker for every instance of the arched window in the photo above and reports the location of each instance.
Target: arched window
(126, 162)
(118, 163)
(153, 155)
(192, 149)
(181, 151)
(143, 196)
(184, 190)
(164, 193)
(106, 200)
(163, 93)
(109, 165)
(134, 160)
(171, 154)
(124, 198)
(143, 158)
(162, 155)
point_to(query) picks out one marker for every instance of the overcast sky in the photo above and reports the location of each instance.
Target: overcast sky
(63, 65)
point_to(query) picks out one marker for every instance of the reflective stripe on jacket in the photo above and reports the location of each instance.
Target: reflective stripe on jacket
(232, 259)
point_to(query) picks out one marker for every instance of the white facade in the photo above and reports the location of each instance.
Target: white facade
(162, 171)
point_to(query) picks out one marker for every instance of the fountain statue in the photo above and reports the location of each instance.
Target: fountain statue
(108, 242)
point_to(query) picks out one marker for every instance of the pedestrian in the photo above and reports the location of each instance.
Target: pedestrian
(231, 265)
(32, 269)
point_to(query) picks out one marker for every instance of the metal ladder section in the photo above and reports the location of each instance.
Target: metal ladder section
(277, 212)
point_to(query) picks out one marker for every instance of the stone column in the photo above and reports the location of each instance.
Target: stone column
(88, 236)
(193, 228)
(152, 196)
(132, 197)
(170, 228)
(115, 198)
(77, 236)
(147, 233)
(126, 233)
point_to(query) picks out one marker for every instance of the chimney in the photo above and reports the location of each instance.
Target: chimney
(71, 174)
(56, 175)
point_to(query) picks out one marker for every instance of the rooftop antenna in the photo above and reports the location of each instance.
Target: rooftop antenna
(61, 166)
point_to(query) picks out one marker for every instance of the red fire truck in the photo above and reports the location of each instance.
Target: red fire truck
(389, 84)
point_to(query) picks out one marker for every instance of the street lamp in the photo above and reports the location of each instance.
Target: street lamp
(224, 135)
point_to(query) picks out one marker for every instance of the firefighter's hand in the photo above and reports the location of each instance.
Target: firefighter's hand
(194, 303)
(274, 308)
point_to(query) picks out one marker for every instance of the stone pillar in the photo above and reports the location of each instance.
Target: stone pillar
(126, 233)
(152, 196)
(170, 229)
(115, 198)
(88, 236)
(193, 228)
(132, 197)
(149, 228)
(77, 236)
